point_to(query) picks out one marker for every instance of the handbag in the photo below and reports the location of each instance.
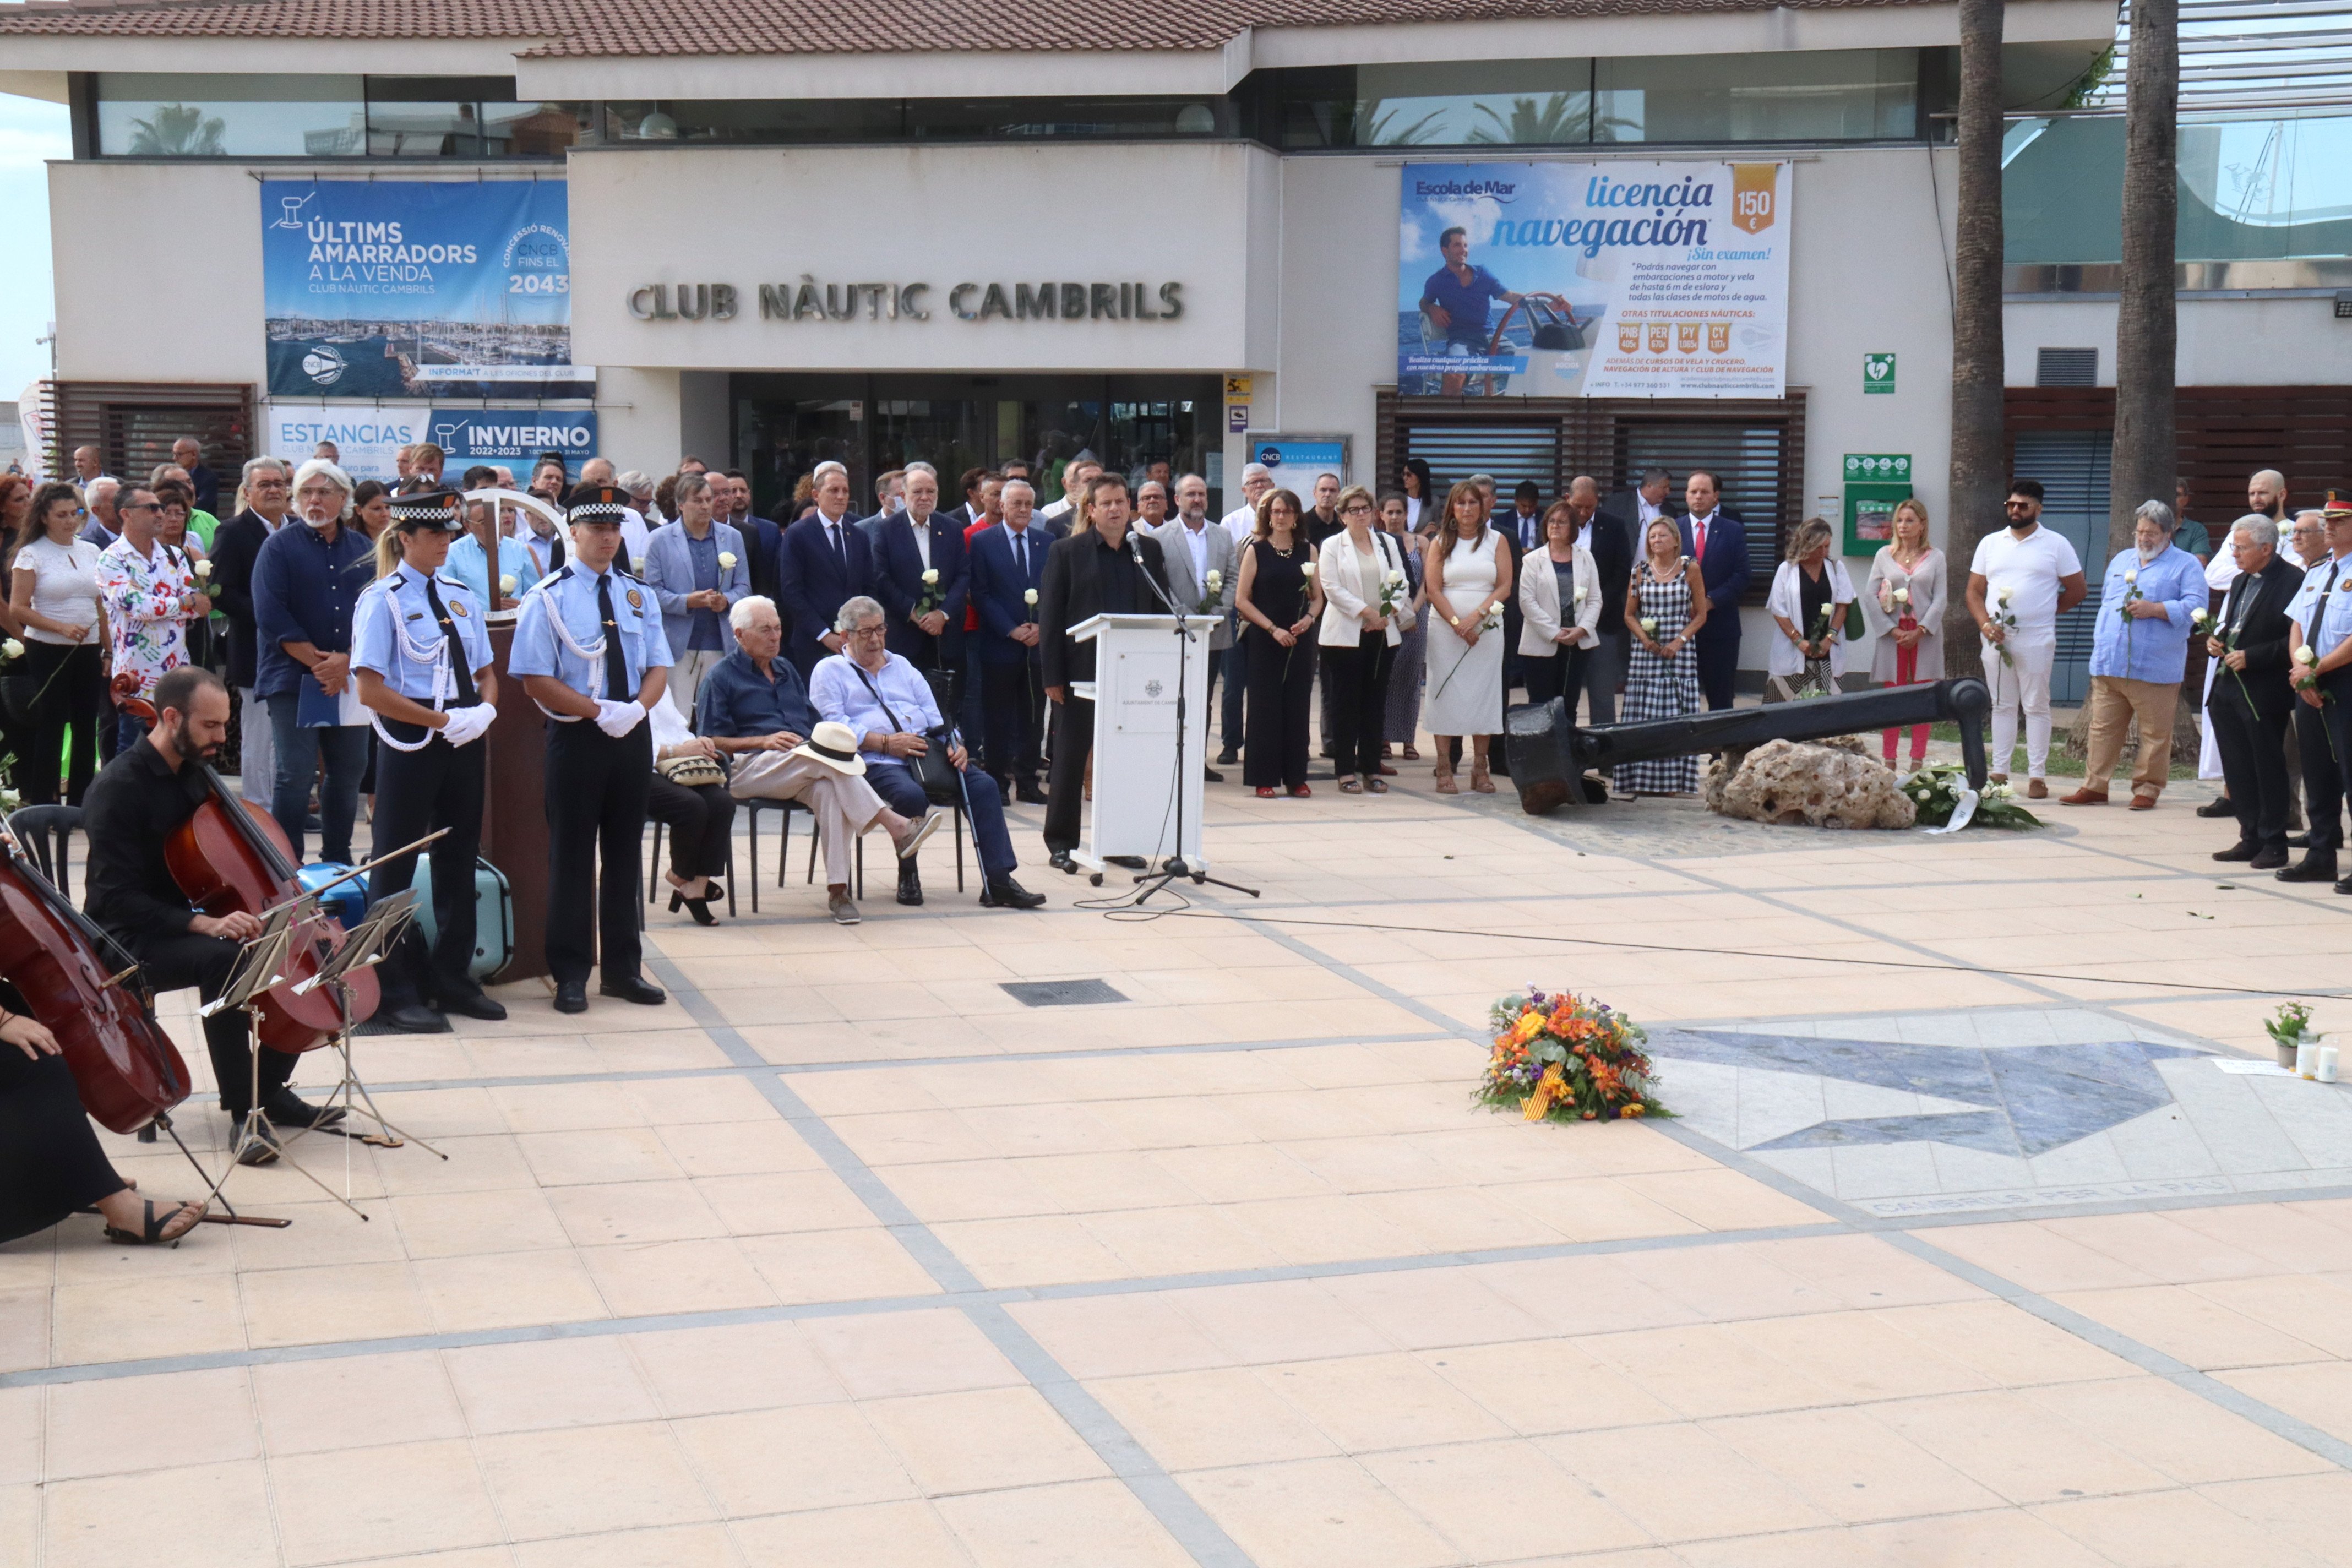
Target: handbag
(695, 771)
(932, 770)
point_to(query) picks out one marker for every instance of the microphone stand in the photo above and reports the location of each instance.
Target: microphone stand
(1175, 866)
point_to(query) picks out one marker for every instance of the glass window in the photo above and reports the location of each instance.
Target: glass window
(752, 121)
(465, 117)
(1501, 103)
(782, 122)
(1829, 95)
(159, 115)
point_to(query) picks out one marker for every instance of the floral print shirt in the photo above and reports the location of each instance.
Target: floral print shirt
(146, 615)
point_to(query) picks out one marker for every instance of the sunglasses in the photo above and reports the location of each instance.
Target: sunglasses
(2020, 505)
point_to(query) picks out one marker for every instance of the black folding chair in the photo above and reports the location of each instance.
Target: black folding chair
(46, 833)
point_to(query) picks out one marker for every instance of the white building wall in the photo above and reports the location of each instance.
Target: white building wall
(138, 299)
(2274, 341)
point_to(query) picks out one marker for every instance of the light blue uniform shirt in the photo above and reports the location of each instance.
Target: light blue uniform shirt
(2324, 625)
(468, 566)
(836, 693)
(2149, 649)
(395, 634)
(569, 595)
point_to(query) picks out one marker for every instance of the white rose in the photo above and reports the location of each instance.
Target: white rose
(2006, 595)
(204, 570)
(930, 578)
(2303, 656)
(1215, 580)
(2131, 574)
(1029, 595)
(507, 584)
(1307, 571)
(636, 563)
(1396, 579)
(13, 648)
(727, 561)
(1649, 626)
(2200, 618)
(1902, 596)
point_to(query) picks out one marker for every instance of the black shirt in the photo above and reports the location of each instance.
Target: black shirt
(132, 808)
(1085, 577)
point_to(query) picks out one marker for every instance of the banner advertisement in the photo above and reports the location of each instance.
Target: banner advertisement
(512, 437)
(367, 440)
(418, 289)
(1297, 461)
(1609, 279)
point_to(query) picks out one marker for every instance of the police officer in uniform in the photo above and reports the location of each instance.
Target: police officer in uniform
(589, 650)
(421, 659)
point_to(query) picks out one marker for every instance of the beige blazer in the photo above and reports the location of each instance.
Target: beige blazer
(1539, 603)
(1347, 592)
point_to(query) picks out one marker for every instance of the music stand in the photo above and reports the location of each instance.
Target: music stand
(365, 945)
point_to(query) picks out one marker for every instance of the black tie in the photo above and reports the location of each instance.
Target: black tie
(466, 695)
(555, 550)
(1021, 557)
(2334, 566)
(840, 535)
(616, 668)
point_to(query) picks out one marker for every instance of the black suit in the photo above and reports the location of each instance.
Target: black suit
(1609, 537)
(1084, 578)
(2250, 707)
(237, 543)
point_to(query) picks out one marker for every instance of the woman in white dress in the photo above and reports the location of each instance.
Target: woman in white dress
(1903, 602)
(1468, 575)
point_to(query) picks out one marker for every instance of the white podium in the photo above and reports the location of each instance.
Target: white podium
(1139, 661)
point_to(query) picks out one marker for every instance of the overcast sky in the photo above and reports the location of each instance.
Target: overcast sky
(31, 133)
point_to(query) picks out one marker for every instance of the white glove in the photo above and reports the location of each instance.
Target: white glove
(466, 726)
(617, 718)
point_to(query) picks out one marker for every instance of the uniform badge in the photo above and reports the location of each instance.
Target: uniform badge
(457, 608)
(415, 615)
(637, 600)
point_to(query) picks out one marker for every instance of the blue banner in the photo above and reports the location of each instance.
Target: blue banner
(512, 436)
(418, 289)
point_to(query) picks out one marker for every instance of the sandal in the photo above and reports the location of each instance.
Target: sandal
(158, 1228)
(1350, 786)
(1266, 792)
(1376, 787)
(1301, 793)
(1445, 785)
(1412, 753)
(1480, 780)
(1387, 771)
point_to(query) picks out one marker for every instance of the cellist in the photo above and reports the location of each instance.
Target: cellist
(133, 807)
(50, 1161)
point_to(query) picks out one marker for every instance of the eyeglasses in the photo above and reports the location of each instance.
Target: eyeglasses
(871, 632)
(1357, 506)
(137, 506)
(2021, 506)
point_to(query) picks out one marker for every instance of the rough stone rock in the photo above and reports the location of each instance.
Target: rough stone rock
(1833, 782)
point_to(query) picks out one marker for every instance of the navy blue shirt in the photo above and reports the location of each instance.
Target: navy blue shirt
(1467, 304)
(737, 702)
(304, 590)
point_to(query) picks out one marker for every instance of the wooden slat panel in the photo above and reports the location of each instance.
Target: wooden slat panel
(133, 424)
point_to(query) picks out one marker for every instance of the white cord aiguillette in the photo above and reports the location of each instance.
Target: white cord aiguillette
(591, 652)
(421, 655)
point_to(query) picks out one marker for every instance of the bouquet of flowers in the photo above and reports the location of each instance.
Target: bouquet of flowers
(1562, 1057)
(931, 597)
(2003, 615)
(2290, 1024)
(1934, 790)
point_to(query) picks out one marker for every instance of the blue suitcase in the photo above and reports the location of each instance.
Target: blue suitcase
(493, 916)
(347, 902)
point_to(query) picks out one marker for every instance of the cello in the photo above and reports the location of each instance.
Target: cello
(127, 1070)
(232, 855)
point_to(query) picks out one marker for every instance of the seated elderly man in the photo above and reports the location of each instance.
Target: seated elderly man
(888, 704)
(754, 709)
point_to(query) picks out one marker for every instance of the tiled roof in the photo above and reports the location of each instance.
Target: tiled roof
(591, 27)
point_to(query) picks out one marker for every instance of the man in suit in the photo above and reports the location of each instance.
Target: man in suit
(827, 561)
(2253, 696)
(1007, 563)
(1641, 503)
(763, 538)
(926, 618)
(1611, 544)
(1194, 548)
(968, 485)
(890, 499)
(1713, 536)
(1089, 574)
(189, 453)
(237, 545)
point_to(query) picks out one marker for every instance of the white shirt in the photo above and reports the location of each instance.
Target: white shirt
(2031, 569)
(1641, 504)
(2222, 570)
(633, 533)
(1241, 522)
(922, 538)
(1055, 508)
(1196, 540)
(65, 585)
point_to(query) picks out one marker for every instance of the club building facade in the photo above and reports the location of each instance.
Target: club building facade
(771, 236)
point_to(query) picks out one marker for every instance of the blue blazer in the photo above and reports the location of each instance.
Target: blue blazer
(669, 573)
(815, 587)
(1725, 572)
(997, 589)
(900, 581)
(767, 544)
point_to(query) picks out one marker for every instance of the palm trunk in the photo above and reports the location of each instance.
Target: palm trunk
(1980, 452)
(2146, 333)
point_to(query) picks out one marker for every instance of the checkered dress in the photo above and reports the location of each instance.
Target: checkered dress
(1661, 688)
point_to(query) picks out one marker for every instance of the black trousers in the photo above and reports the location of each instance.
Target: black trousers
(176, 962)
(1558, 675)
(416, 793)
(1356, 685)
(1719, 666)
(1065, 787)
(699, 820)
(596, 793)
(1013, 699)
(71, 684)
(2323, 779)
(1281, 693)
(2337, 716)
(2253, 762)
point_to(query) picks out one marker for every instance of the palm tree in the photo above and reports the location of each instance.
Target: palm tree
(178, 131)
(1980, 453)
(2146, 333)
(1384, 124)
(1559, 120)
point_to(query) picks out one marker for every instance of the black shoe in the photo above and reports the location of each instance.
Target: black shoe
(1027, 792)
(285, 1108)
(910, 884)
(2238, 852)
(1229, 758)
(1212, 775)
(2270, 860)
(474, 1004)
(2345, 886)
(571, 996)
(2310, 868)
(2298, 840)
(2221, 807)
(262, 1151)
(1005, 893)
(1126, 862)
(634, 989)
(1060, 861)
(415, 1019)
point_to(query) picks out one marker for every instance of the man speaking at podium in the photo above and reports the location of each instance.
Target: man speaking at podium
(1098, 570)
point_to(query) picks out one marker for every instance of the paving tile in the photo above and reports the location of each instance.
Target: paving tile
(983, 1440)
(1683, 1483)
(1852, 1466)
(588, 1480)
(405, 1498)
(201, 1516)
(1497, 1501)
(805, 1456)
(355, 1402)
(123, 1426)
(1318, 1513)
(1078, 1524)
(550, 1383)
(903, 1535)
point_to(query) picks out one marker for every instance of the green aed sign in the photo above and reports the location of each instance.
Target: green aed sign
(1878, 373)
(1874, 483)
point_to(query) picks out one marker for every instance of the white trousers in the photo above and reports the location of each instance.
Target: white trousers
(844, 804)
(685, 672)
(2021, 683)
(257, 778)
(2209, 751)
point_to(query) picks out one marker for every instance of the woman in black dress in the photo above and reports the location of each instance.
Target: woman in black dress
(51, 1163)
(1279, 603)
